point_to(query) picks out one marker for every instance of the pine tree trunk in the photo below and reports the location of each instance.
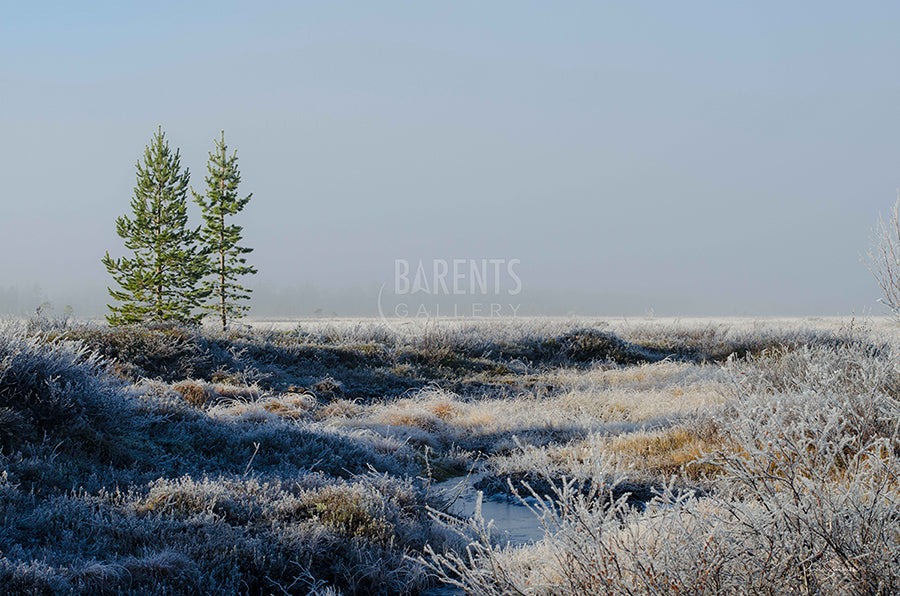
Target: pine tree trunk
(222, 274)
(222, 295)
(159, 283)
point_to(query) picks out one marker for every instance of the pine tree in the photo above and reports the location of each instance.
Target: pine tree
(161, 281)
(220, 239)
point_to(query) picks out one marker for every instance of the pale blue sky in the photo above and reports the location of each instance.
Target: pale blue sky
(698, 158)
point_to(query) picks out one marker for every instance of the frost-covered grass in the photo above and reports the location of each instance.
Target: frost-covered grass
(111, 486)
(301, 459)
(800, 473)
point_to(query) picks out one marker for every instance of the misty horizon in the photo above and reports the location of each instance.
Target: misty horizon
(308, 300)
(632, 158)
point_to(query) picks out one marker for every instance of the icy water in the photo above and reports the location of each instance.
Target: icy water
(512, 521)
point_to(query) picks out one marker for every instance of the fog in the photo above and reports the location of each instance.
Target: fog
(689, 158)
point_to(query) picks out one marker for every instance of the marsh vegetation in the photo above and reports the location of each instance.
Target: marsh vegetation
(656, 457)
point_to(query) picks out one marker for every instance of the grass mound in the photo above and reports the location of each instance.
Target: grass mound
(107, 488)
(52, 389)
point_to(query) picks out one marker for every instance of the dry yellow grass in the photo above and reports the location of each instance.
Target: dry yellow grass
(339, 409)
(444, 409)
(414, 418)
(664, 452)
(290, 405)
(196, 393)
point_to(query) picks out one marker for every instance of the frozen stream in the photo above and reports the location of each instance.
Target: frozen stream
(513, 522)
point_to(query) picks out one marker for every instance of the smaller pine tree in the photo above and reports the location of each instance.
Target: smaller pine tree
(220, 238)
(161, 281)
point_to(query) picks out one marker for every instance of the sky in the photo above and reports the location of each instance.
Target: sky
(689, 158)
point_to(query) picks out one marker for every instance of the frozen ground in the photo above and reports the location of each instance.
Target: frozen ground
(650, 455)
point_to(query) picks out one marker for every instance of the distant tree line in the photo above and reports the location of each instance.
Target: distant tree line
(176, 273)
(20, 301)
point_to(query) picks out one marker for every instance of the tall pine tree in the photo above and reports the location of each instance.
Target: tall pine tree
(220, 238)
(161, 281)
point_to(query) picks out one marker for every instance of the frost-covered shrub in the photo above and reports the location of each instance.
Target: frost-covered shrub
(53, 387)
(717, 342)
(161, 351)
(806, 500)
